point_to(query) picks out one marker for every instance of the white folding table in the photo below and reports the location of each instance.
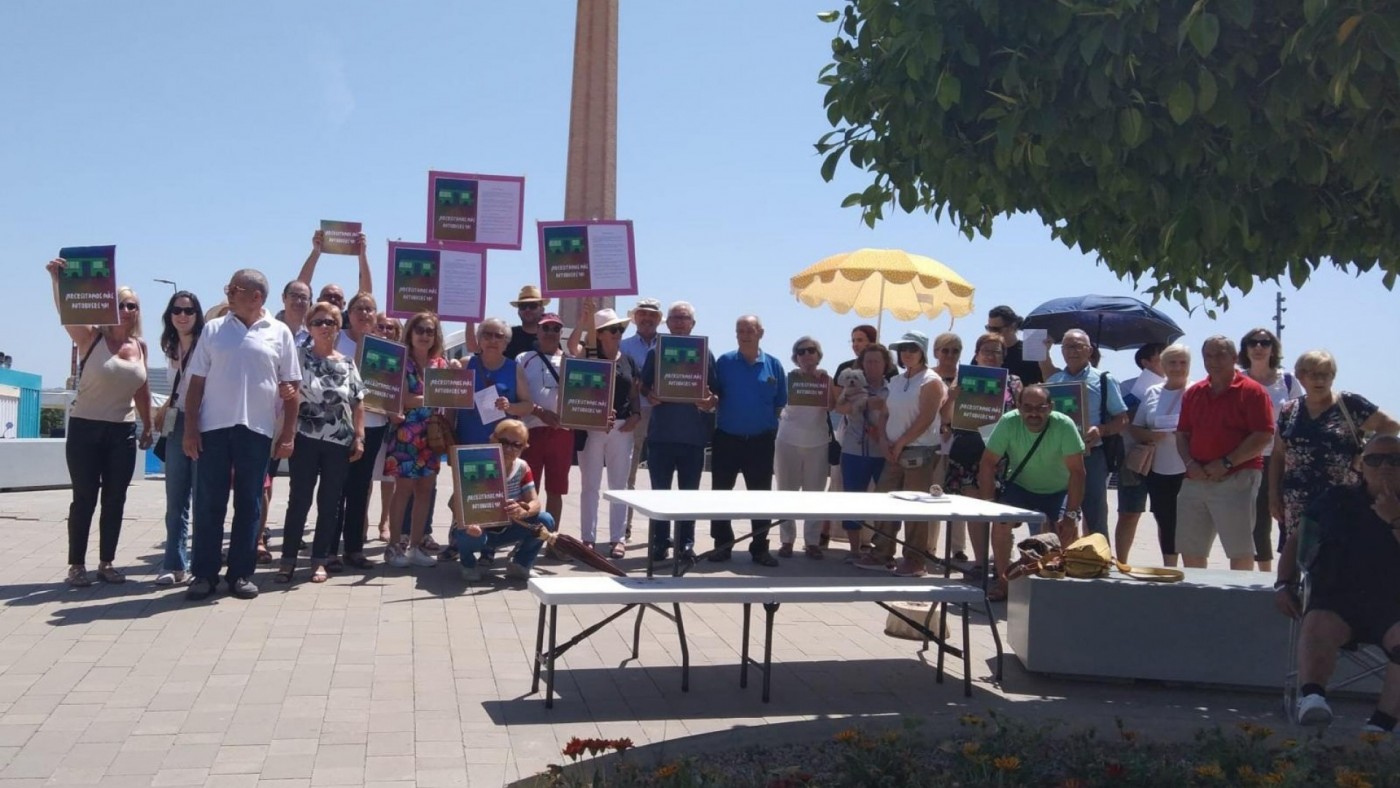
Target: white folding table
(777, 505)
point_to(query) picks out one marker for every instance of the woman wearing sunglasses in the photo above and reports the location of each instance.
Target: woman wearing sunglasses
(1316, 438)
(182, 321)
(522, 507)
(800, 449)
(101, 443)
(390, 328)
(330, 435)
(408, 459)
(610, 449)
(1261, 357)
(354, 508)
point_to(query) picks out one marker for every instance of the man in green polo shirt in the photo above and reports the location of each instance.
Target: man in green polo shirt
(1045, 472)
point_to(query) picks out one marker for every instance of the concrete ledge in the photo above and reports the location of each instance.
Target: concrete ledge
(1217, 627)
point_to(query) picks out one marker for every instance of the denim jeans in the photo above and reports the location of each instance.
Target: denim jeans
(101, 461)
(752, 456)
(1096, 491)
(315, 462)
(179, 489)
(241, 453)
(685, 462)
(857, 474)
(469, 547)
(1052, 505)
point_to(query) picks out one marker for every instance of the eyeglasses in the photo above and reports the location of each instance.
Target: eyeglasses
(530, 305)
(387, 327)
(492, 335)
(510, 444)
(324, 322)
(610, 330)
(1377, 460)
(1259, 343)
(424, 331)
(131, 307)
(297, 298)
(1035, 408)
(680, 319)
(949, 350)
(363, 310)
(550, 328)
(806, 351)
(187, 311)
(233, 290)
(1074, 346)
(991, 351)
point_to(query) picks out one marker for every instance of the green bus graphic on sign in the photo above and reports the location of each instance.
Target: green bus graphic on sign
(86, 269)
(416, 268)
(677, 355)
(479, 471)
(982, 386)
(1066, 404)
(450, 197)
(375, 361)
(565, 245)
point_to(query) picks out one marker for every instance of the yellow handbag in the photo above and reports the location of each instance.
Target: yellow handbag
(1090, 557)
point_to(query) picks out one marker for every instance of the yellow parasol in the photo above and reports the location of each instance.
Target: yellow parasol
(875, 281)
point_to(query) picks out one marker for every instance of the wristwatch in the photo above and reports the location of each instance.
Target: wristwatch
(1282, 584)
(1225, 461)
(1073, 514)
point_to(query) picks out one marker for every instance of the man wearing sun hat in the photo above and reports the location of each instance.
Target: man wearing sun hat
(646, 316)
(530, 306)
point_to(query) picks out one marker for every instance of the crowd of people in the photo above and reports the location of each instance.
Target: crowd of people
(1246, 447)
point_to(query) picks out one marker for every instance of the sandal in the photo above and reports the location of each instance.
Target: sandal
(318, 575)
(384, 533)
(998, 592)
(619, 550)
(812, 551)
(109, 574)
(429, 545)
(78, 577)
(264, 555)
(334, 565)
(284, 574)
(358, 561)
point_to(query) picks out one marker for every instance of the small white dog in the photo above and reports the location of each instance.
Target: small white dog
(852, 384)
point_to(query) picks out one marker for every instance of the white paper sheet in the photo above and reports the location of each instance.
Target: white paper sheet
(1033, 345)
(486, 405)
(459, 285)
(498, 212)
(609, 265)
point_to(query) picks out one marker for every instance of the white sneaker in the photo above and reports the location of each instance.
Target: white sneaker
(1373, 728)
(397, 558)
(515, 571)
(175, 578)
(420, 557)
(473, 574)
(1313, 710)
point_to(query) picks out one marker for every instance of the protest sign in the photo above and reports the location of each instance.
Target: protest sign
(482, 210)
(981, 397)
(1068, 398)
(448, 282)
(479, 485)
(87, 286)
(445, 387)
(597, 258)
(585, 393)
(340, 237)
(811, 390)
(382, 365)
(682, 366)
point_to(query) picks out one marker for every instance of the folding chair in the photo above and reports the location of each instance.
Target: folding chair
(1369, 659)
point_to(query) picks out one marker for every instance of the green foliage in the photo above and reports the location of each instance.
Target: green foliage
(1197, 144)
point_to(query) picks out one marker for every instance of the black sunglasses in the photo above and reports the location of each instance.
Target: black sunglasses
(183, 310)
(550, 328)
(131, 307)
(805, 351)
(1377, 460)
(611, 330)
(424, 331)
(322, 322)
(1258, 343)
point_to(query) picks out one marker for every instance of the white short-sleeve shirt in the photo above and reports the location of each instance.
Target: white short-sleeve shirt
(544, 385)
(241, 366)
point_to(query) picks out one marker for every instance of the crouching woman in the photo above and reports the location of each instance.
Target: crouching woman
(522, 507)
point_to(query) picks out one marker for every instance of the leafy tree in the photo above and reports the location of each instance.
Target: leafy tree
(1196, 144)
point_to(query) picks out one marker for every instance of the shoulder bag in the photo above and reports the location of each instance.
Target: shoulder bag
(1114, 450)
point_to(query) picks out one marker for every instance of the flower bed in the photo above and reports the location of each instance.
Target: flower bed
(993, 751)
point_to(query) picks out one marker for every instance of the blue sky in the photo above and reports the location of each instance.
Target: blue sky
(201, 138)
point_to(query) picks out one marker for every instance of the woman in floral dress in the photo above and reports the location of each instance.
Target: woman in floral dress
(408, 460)
(1317, 437)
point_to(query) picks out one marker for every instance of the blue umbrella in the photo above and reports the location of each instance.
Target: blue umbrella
(1112, 322)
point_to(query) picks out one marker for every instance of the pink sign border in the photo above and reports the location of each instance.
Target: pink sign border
(615, 291)
(389, 279)
(433, 175)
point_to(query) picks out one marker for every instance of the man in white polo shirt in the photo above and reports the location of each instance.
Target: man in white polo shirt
(240, 376)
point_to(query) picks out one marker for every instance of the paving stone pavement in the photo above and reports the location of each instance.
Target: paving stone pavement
(406, 677)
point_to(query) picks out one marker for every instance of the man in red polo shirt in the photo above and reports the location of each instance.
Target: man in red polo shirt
(1226, 421)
